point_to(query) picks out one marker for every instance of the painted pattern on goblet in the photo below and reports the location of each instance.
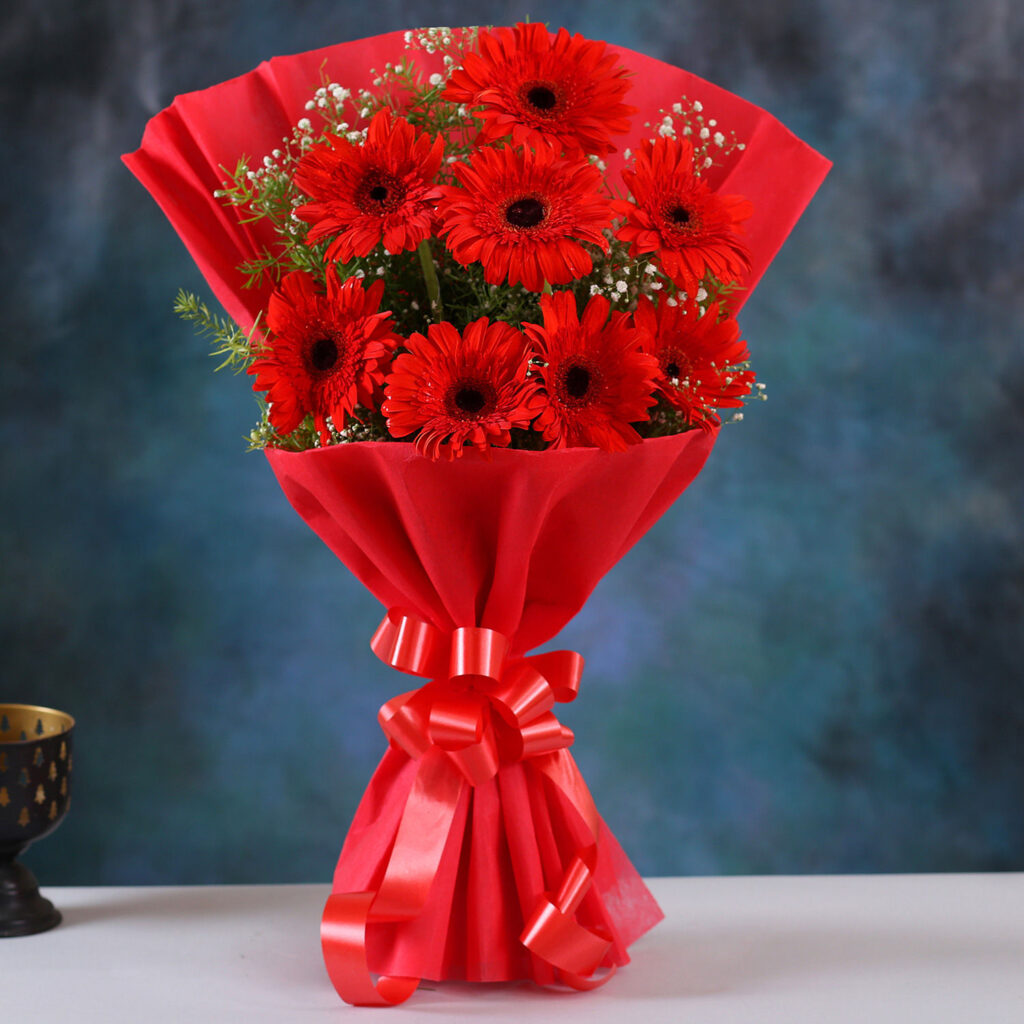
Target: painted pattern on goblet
(35, 770)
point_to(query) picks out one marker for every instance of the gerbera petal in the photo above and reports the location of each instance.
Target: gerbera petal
(693, 230)
(596, 381)
(383, 189)
(697, 355)
(460, 388)
(559, 92)
(323, 350)
(521, 213)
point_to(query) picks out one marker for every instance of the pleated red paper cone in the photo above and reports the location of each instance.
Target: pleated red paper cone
(514, 543)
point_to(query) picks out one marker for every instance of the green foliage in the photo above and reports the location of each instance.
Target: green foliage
(229, 343)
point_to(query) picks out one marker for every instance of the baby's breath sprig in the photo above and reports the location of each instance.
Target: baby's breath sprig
(407, 90)
(710, 143)
(452, 44)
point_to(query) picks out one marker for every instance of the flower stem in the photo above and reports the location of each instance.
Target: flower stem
(430, 277)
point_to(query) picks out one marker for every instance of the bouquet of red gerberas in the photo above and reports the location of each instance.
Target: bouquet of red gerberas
(449, 249)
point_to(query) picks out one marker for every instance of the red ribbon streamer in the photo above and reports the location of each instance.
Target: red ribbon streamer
(479, 710)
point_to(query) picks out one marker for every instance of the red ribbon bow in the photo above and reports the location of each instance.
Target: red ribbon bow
(479, 710)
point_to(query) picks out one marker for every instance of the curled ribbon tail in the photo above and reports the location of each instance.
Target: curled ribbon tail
(552, 932)
(412, 866)
(343, 940)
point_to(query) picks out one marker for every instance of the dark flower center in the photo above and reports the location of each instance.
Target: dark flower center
(323, 354)
(541, 97)
(470, 399)
(676, 364)
(525, 213)
(577, 381)
(679, 215)
(379, 193)
(544, 100)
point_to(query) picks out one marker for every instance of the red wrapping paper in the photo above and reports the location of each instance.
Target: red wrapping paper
(514, 543)
(512, 874)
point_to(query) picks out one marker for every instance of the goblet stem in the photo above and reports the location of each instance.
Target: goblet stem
(22, 910)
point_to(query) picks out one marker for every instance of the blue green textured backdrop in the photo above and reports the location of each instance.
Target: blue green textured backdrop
(813, 663)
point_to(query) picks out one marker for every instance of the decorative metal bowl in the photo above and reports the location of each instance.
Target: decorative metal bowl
(35, 771)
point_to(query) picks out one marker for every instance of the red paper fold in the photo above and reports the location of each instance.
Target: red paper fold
(514, 543)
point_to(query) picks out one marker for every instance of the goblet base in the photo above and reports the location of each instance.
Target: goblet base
(22, 910)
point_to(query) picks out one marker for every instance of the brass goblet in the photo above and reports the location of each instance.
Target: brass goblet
(35, 767)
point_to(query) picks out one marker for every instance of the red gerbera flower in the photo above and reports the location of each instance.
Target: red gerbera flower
(455, 389)
(675, 214)
(326, 353)
(382, 190)
(596, 379)
(523, 214)
(565, 91)
(697, 356)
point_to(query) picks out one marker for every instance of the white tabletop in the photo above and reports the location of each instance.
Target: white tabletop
(827, 950)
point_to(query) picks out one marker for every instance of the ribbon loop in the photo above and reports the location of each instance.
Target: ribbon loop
(523, 694)
(477, 652)
(410, 644)
(456, 720)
